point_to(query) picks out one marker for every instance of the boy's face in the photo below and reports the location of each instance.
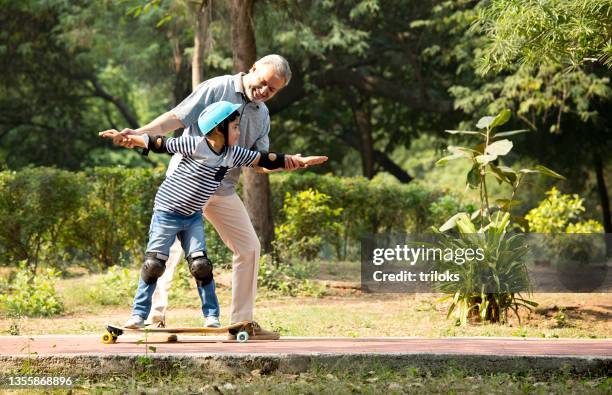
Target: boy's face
(233, 132)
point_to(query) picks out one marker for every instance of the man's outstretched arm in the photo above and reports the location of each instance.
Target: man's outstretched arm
(132, 140)
(161, 125)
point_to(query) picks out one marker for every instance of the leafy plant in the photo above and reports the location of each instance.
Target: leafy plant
(35, 204)
(484, 157)
(32, 295)
(111, 227)
(561, 213)
(309, 222)
(116, 288)
(488, 289)
(216, 250)
(290, 280)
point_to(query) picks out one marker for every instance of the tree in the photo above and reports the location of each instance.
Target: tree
(43, 115)
(359, 71)
(566, 105)
(565, 51)
(256, 185)
(572, 33)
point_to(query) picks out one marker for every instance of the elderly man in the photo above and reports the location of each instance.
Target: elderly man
(225, 210)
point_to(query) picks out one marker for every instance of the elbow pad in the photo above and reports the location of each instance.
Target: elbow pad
(156, 144)
(269, 164)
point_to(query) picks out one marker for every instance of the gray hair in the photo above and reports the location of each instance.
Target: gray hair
(280, 64)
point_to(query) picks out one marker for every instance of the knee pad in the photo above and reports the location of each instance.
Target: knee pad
(153, 267)
(200, 267)
(205, 281)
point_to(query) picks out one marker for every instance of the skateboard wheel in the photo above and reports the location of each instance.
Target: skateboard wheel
(242, 337)
(108, 338)
(172, 339)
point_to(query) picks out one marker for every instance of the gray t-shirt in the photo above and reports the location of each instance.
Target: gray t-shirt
(254, 120)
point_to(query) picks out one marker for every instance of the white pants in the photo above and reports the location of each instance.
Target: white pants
(231, 221)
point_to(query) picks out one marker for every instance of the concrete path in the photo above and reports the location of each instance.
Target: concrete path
(128, 345)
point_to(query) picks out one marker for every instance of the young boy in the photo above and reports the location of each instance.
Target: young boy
(177, 211)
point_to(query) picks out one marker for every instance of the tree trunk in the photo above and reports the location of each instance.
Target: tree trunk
(182, 83)
(388, 165)
(201, 13)
(381, 158)
(256, 186)
(364, 126)
(605, 202)
(99, 91)
(243, 35)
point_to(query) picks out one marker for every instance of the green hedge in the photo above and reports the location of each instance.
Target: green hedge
(369, 206)
(100, 218)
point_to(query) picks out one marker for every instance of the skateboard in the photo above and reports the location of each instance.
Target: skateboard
(114, 331)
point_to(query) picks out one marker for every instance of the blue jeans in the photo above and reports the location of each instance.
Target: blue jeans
(165, 228)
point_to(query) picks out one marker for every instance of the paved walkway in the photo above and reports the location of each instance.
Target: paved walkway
(51, 345)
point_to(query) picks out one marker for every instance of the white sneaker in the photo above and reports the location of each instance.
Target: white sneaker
(212, 322)
(136, 322)
(156, 322)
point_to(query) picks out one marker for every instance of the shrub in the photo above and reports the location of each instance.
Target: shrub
(216, 250)
(367, 206)
(35, 204)
(558, 215)
(32, 295)
(117, 287)
(289, 280)
(112, 226)
(561, 213)
(100, 218)
(309, 221)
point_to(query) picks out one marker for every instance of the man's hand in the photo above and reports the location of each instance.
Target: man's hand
(119, 138)
(292, 162)
(129, 141)
(122, 139)
(311, 160)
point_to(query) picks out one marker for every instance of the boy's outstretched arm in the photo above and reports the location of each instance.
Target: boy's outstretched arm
(161, 125)
(185, 145)
(273, 161)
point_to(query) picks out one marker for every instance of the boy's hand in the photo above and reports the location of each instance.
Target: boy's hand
(311, 160)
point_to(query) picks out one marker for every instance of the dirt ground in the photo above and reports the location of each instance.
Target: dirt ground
(342, 312)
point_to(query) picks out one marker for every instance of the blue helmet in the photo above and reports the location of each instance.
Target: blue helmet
(214, 114)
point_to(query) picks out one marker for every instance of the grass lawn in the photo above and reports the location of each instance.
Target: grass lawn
(335, 312)
(367, 381)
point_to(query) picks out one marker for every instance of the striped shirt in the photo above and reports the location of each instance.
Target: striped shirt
(198, 174)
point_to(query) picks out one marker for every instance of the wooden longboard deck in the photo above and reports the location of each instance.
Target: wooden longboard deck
(114, 331)
(223, 329)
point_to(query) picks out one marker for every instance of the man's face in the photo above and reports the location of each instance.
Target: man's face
(262, 83)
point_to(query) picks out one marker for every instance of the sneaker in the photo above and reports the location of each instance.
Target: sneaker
(212, 322)
(156, 322)
(256, 332)
(136, 322)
